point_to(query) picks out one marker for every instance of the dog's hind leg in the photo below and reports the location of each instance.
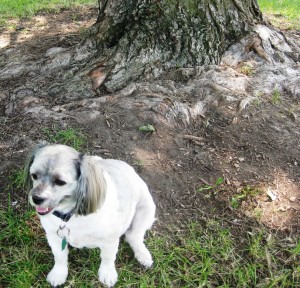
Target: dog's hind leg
(142, 221)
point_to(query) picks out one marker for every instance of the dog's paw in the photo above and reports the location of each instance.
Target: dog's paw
(57, 276)
(108, 275)
(144, 257)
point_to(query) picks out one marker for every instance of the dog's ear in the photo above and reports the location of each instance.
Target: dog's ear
(91, 188)
(29, 161)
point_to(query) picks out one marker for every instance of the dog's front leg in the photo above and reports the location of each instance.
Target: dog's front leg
(58, 274)
(107, 271)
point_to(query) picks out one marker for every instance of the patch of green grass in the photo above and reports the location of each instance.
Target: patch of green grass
(245, 193)
(25, 8)
(22, 250)
(276, 97)
(207, 255)
(17, 179)
(214, 188)
(282, 12)
(71, 137)
(247, 69)
(258, 98)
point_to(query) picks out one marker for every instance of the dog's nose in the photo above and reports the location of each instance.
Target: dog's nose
(37, 200)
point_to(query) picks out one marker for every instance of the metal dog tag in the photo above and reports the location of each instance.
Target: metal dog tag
(62, 232)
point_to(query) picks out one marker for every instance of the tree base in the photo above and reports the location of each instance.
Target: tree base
(176, 97)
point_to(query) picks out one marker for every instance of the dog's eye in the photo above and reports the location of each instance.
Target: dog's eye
(59, 182)
(34, 176)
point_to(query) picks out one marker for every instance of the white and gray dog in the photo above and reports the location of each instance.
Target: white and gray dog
(87, 201)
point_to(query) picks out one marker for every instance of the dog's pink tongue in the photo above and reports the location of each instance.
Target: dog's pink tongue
(41, 210)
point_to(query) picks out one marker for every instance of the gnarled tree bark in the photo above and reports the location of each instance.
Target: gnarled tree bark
(143, 38)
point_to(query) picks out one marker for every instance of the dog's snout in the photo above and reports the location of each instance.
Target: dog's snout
(37, 200)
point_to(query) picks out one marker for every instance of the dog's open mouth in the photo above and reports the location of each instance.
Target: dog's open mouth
(43, 211)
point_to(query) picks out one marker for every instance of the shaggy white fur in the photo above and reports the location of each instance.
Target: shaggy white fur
(98, 199)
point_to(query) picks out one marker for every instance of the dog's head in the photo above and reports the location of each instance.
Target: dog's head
(61, 179)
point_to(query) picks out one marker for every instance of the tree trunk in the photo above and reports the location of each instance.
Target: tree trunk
(143, 38)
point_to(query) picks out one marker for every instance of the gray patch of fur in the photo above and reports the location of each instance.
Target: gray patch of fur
(91, 190)
(28, 163)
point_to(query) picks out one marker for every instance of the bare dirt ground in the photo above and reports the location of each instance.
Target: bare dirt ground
(253, 145)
